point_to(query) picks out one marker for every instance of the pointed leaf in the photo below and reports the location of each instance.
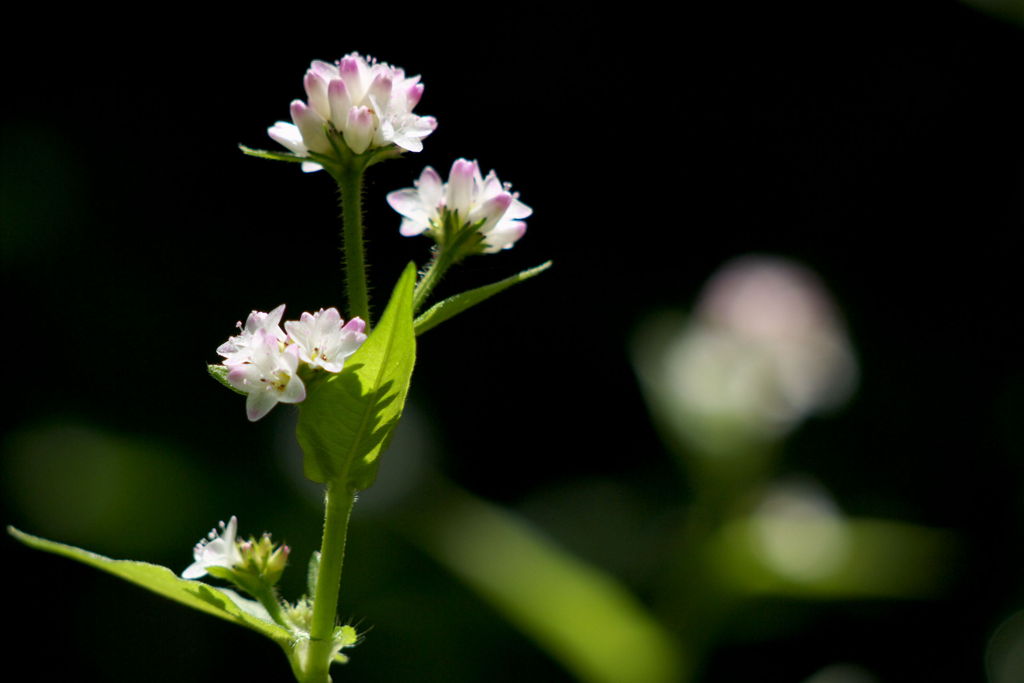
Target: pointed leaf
(276, 156)
(313, 572)
(346, 421)
(220, 373)
(219, 602)
(452, 306)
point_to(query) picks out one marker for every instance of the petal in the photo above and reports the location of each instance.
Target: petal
(359, 129)
(274, 318)
(379, 93)
(410, 228)
(231, 530)
(355, 326)
(408, 203)
(294, 392)
(340, 101)
(517, 209)
(316, 91)
(311, 125)
(288, 135)
(460, 186)
(325, 70)
(413, 94)
(491, 211)
(409, 129)
(351, 68)
(503, 236)
(195, 570)
(258, 404)
(245, 376)
(431, 188)
(329, 320)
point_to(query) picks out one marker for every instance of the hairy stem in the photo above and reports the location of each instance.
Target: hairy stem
(268, 598)
(350, 187)
(338, 499)
(431, 276)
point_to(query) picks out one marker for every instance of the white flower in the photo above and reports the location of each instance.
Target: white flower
(322, 339)
(269, 376)
(218, 549)
(368, 103)
(236, 350)
(485, 204)
(764, 350)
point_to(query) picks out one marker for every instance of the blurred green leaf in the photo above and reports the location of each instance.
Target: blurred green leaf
(872, 558)
(98, 488)
(219, 602)
(346, 420)
(1010, 10)
(584, 618)
(452, 306)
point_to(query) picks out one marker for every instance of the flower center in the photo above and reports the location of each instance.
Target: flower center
(279, 380)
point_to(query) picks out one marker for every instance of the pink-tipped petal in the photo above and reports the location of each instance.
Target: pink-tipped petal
(460, 186)
(356, 325)
(340, 102)
(413, 95)
(311, 125)
(316, 91)
(491, 211)
(350, 69)
(430, 187)
(359, 129)
(379, 93)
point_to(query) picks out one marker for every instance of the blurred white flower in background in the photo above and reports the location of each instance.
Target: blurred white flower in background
(764, 349)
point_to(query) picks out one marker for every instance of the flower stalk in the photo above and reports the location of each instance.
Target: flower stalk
(267, 597)
(350, 190)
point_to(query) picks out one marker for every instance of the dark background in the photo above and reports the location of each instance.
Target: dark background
(882, 145)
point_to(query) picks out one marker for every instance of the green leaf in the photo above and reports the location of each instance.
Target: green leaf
(313, 572)
(452, 306)
(220, 602)
(346, 636)
(276, 156)
(220, 373)
(580, 615)
(346, 421)
(825, 558)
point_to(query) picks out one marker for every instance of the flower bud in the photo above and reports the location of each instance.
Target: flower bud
(359, 130)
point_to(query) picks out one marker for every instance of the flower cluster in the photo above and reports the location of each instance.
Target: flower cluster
(467, 202)
(367, 103)
(263, 360)
(249, 563)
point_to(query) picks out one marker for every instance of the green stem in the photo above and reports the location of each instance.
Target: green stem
(338, 500)
(350, 187)
(269, 600)
(438, 265)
